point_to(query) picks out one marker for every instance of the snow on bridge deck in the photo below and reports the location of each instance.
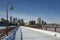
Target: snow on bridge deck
(33, 35)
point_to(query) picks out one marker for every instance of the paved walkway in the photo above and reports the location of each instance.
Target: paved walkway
(33, 35)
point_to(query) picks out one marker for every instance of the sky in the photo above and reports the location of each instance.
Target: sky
(48, 10)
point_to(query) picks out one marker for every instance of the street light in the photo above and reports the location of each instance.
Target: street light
(11, 8)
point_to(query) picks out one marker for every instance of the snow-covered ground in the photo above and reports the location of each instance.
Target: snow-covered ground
(28, 34)
(2, 27)
(35, 35)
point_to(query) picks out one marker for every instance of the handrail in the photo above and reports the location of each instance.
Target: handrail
(11, 35)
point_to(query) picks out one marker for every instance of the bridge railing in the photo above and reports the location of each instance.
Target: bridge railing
(11, 35)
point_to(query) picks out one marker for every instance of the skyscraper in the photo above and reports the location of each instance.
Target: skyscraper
(32, 22)
(39, 21)
(10, 18)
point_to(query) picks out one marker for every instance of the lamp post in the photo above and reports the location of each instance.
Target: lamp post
(11, 8)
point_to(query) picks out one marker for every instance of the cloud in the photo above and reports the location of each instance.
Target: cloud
(22, 16)
(28, 17)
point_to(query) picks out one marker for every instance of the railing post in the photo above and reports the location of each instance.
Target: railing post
(55, 29)
(46, 28)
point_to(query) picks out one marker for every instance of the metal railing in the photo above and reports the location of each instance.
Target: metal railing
(48, 28)
(11, 35)
(54, 29)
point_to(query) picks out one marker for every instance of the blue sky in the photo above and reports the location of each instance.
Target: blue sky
(48, 10)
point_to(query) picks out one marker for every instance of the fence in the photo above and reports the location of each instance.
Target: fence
(11, 35)
(54, 29)
(49, 28)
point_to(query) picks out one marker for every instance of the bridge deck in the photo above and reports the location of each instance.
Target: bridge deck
(33, 35)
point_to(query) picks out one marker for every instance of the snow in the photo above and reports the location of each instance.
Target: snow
(29, 34)
(2, 27)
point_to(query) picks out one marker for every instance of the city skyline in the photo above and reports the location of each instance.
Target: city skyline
(49, 11)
